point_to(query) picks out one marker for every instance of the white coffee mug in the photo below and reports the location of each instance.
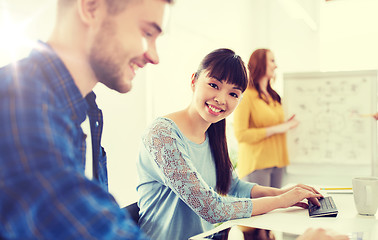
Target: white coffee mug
(365, 191)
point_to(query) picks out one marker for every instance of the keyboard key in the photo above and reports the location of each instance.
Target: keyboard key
(327, 208)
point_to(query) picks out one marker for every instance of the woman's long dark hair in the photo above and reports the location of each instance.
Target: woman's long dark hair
(225, 65)
(257, 70)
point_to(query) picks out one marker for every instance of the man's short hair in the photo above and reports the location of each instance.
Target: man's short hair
(114, 6)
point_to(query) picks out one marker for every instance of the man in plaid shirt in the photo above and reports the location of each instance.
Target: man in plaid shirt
(45, 98)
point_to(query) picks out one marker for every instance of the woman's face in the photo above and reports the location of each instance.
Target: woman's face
(214, 99)
(270, 65)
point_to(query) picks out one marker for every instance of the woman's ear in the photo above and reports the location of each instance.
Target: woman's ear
(193, 82)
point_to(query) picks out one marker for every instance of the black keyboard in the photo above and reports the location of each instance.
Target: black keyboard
(327, 208)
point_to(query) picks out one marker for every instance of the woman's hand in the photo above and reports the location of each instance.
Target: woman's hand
(283, 127)
(309, 188)
(292, 122)
(293, 196)
(268, 200)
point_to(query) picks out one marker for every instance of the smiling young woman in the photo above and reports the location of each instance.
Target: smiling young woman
(187, 182)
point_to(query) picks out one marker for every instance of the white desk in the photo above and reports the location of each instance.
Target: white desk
(296, 220)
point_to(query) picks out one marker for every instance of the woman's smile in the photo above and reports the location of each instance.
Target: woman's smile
(214, 110)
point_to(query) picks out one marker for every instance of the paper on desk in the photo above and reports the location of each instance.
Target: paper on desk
(339, 192)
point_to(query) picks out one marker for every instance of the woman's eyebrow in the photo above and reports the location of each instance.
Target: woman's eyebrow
(235, 87)
(219, 80)
(238, 88)
(222, 81)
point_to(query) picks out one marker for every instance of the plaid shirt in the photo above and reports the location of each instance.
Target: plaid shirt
(43, 191)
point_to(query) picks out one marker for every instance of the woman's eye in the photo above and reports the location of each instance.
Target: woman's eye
(213, 85)
(234, 95)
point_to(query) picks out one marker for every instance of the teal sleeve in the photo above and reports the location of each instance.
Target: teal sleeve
(240, 188)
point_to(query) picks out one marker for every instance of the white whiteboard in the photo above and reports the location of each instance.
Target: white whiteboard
(331, 108)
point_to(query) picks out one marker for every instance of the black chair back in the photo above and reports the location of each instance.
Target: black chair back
(133, 210)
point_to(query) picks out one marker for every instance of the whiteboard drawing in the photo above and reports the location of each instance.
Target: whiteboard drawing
(332, 109)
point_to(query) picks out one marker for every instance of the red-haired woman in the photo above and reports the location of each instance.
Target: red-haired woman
(260, 127)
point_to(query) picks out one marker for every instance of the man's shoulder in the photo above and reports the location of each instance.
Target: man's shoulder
(25, 80)
(27, 96)
(21, 73)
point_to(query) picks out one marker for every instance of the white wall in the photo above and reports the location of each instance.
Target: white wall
(349, 41)
(124, 121)
(196, 28)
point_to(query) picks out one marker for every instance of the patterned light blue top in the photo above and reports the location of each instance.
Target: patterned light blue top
(177, 182)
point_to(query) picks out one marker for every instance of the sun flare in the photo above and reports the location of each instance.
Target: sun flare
(16, 30)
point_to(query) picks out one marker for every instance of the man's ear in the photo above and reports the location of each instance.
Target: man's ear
(91, 11)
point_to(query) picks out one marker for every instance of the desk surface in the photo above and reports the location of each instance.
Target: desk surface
(296, 220)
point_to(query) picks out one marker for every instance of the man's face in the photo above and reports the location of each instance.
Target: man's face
(126, 42)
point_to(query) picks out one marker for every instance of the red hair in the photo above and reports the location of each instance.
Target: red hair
(257, 70)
